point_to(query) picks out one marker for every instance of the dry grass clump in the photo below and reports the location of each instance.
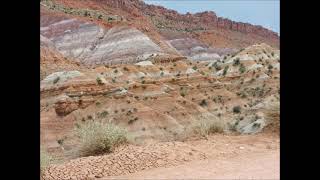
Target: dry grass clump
(272, 116)
(98, 138)
(204, 127)
(201, 128)
(45, 160)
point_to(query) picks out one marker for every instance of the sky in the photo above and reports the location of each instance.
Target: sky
(257, 12)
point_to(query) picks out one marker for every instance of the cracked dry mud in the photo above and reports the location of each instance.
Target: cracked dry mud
(127, 159)
(220, 156)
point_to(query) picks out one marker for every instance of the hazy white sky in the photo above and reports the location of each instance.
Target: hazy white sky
(258, 12)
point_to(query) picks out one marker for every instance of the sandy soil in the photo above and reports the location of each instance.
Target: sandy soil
(259, 159)
(249, 166)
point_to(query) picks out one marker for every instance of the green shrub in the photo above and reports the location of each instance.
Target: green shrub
(195, 68)
(236, 62)
(110, 19)
(242, 68)
(99, 81)
(236, 109)
(98, 138)
(203, 103)
(216, 66)
(56, 80)
(225, 70)
(103, 114)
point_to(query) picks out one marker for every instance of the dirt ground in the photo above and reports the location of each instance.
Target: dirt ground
(217, 157)
(244, 157)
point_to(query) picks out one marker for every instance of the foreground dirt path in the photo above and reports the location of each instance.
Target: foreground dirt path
(249, 166)
(218, 157)
(252, 157)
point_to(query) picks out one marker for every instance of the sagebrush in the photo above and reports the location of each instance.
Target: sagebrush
(204, 127)
(98, 138)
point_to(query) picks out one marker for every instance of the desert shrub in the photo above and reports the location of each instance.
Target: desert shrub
(183, 94)
(225, 70)
(143, 81)
(56, 80)
(45, 160)
(236, 109)
(203, 103)
(216, 66)
(113, 80)
(98, 138)
(103, 114)
(272, 115)
(270, 67)
(60, 141)
(242, 68)
(204, 127)
(99, 81)
(236, 62)
(174, 64)
(115, 71)
(162, 73)
(133, 120)
(125, 68)
(195, 68)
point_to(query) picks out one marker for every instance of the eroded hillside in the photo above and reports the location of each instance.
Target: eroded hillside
(157, 74)
(159, 100)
